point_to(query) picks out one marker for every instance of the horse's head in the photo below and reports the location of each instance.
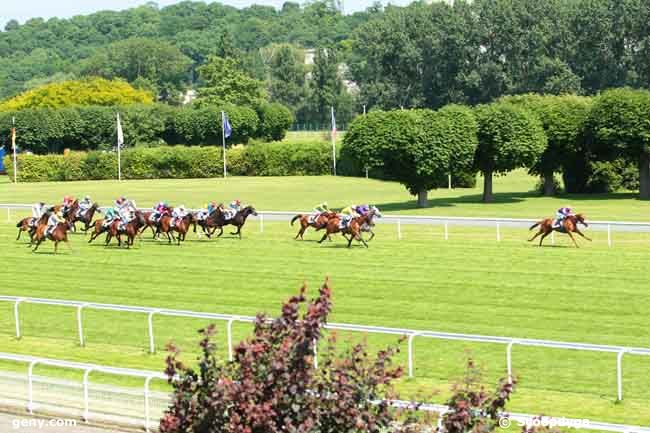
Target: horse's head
(374, 212)
(249, 210)
(580, 218)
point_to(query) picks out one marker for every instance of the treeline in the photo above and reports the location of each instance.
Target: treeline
(597, 145)
(49, 130)
(420, 56)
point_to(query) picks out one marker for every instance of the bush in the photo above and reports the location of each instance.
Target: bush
(258, 159)
(275, 120)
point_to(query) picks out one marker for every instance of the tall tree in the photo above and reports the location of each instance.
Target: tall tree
(287, 76)
(226, 82)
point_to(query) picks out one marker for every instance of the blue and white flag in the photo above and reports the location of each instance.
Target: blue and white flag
(120, 133)
(225, 122)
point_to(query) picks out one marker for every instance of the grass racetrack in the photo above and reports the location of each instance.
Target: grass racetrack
(468, 284)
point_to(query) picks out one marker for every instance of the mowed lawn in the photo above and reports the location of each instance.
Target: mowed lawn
(513, 196)
(469, 284)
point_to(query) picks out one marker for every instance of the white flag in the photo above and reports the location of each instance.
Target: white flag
(120, 134)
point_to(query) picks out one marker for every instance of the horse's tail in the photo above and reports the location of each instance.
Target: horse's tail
(20, 223)
(293, 220)
(535, 225)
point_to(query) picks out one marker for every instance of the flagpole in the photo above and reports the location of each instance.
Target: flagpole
(333, 141)
(119, 151)
(13, 145)
(223, 138)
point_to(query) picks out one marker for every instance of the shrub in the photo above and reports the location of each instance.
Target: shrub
(275, 120)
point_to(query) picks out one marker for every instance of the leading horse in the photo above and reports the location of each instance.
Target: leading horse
(58, 234)
(569, 226)
(318, 222)
(218, 220)
(353, 228)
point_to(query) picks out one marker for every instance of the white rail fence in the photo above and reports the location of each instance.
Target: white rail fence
(149, 420)
(410, 334)
(446, 221)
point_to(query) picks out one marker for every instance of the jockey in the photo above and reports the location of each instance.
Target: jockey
(321, 209)
(178, 214)
(204, 213)
(53, 221)
(38, 210)
(111, 215)
(124, 208)
(233, 208)
(160, 209)
(84, 205)
(561, 214)
(349, 213)
(362, 209)
(67, 202)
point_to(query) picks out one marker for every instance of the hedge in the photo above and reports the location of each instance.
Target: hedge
(46, 130)
(257, 159)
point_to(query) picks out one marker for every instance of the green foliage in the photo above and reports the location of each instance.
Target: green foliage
(287, 84)
(93, 91)
(257, 159)
(417, 148)
(275, 120)
(225, 82)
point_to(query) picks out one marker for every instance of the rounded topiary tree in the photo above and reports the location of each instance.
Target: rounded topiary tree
(417, 148)
(620, 122)
(564, 120)
(509, 137)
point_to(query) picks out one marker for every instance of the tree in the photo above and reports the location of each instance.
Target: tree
(94, 91)
(326, 88)
(287, 76)
(226, 83)
(418, 148)
(272, 384)
(619, 123)
(564, 120)
(509, 137)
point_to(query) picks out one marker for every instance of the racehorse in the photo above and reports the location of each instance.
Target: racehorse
(182, 226)
(31, 224)
(149, 223)
(307, 221)
(58, 234)
(367, 227)
(130, 229)
(569, 226)
(86, 218)
(218, 220)
(353, 228)
(98, 229)
(70, 214)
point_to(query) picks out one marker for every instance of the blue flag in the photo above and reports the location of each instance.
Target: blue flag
(227, 128)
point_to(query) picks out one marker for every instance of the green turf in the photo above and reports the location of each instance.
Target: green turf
(513, 196)
(469, 284)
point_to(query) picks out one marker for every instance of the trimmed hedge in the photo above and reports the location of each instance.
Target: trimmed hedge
(46, 130)
(258, 159)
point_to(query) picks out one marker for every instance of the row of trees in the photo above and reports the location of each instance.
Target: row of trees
(546, 134)
(420, 56)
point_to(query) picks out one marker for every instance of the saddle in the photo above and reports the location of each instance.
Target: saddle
(32, 222)
(312, 219)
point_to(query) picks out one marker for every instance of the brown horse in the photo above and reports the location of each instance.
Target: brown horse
(59, 234)
(98, 229)
(182, 226)
(149, 223)
(30, 224)
(218, 220)
(569, 226)
(307, 221)
(130, 229)
(353, 228)
(86, 218)
(70, 214)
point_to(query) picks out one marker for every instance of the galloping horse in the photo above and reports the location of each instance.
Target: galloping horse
(182, 226)
(353, 228)
(70, 214)
(367, 226)
(60, 233)
(31, 224)
(569, 226)
(149, 223)
(86, 218)
(130, 229)
(218, 220)
(98, 229)
(307, 221)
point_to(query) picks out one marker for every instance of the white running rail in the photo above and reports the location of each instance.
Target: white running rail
(410, 334)
(446, 221)
(32, 361)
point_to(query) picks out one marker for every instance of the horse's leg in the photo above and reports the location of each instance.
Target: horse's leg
(220, 232)
(536, 235)
(543, 236)
(582, 234)
(325, 236)
(56, 247)
(20, 230)
(573, 239)
(360, 239)
(372, 235)
(67, 243)
(38, 243)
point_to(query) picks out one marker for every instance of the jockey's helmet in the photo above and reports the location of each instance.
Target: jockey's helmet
(87, 198)
(238, 202)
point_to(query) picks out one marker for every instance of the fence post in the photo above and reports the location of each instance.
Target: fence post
(146, 403)
(17, 317)
(261, 223)
(152, 347)
(446, 230)
(315, 353)
(509, 360)
(86, 402)
(498, 232)
(399, 229)
(410, 352)
(30, 387)
(229, 332)
(80, 326)
(619, 374)
(609, 235)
